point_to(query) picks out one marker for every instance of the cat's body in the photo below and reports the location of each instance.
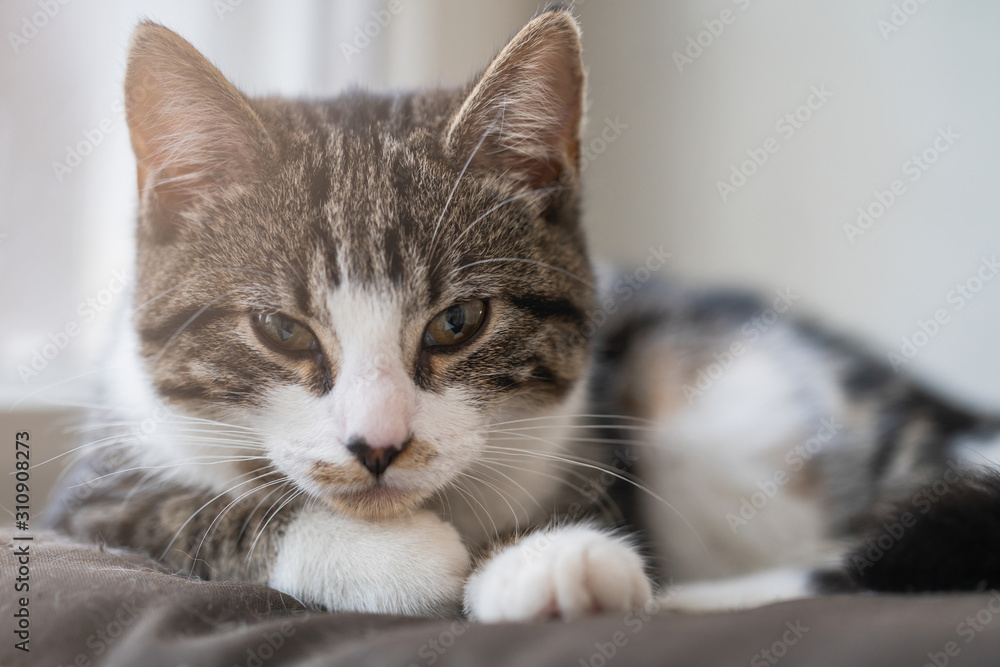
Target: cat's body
(779, 443)
(361, 366)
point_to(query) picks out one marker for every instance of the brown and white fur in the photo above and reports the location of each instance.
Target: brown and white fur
(364, 217)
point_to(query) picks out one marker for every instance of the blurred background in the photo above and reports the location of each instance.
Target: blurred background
(844, 151)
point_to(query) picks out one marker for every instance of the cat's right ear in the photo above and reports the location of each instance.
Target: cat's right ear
(192, 131)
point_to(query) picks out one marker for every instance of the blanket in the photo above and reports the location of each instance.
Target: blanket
(79, 604)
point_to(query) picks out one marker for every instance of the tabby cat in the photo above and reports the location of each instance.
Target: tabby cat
(363, 367)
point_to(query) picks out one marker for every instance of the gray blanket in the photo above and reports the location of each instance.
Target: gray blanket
(90, 606)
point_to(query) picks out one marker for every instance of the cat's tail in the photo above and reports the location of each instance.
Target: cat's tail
(945, 538)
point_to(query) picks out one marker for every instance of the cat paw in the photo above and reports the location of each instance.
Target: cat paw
(564, 573)
(414, 565)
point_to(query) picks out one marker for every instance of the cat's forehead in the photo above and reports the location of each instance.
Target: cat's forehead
(366, 193)
(373, 198)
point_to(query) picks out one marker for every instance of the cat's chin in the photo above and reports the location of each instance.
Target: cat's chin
(376, 502)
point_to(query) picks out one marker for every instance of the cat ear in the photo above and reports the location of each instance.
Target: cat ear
(524, 116)
(191, 129)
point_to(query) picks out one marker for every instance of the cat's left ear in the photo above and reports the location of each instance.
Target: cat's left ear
(524, 115)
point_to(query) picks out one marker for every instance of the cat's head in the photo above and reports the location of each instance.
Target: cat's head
(367, 281)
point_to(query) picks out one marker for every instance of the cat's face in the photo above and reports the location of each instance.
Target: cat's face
(367, 282)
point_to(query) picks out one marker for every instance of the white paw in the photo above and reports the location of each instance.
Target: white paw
(563, 573)
(412, 565)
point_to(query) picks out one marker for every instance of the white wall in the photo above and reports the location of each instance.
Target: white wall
(657, 183)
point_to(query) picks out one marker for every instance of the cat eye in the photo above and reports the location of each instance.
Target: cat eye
(285, 333)
(455, 324)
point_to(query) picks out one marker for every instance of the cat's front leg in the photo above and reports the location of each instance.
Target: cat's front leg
(413, 564)
(558, 573)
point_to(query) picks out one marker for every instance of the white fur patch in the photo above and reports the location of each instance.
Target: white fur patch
(564, 572)
(413, 565)
(739, 593)
(374, 396)
(716, 462)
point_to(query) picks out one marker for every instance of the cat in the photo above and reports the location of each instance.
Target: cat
(361, 367)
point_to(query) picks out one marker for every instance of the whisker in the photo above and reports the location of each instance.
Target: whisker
(203, 420)
(113, 440)
(461, 175)
(526, 261)
(166, 549)
(195, 461)
(240, 497)
(202, 275)
(100, 426)
(574, 417)
(459, 485)
(610, 427)
(260, 502)
(159, 355)
(600, 497)
(486, 463)
(521, 195)
(50, 386)
(149, 474)
(295, 495)
(586, 463)
(502, 497)
(259, 530)
(567, 439)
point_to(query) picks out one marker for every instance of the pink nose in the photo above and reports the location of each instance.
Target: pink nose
(375, 459)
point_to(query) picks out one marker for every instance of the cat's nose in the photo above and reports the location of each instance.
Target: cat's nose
(375, 458)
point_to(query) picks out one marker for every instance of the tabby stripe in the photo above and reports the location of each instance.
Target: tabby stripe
(545, 308)
(394, 253)
(162, 332)
(188, 392)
